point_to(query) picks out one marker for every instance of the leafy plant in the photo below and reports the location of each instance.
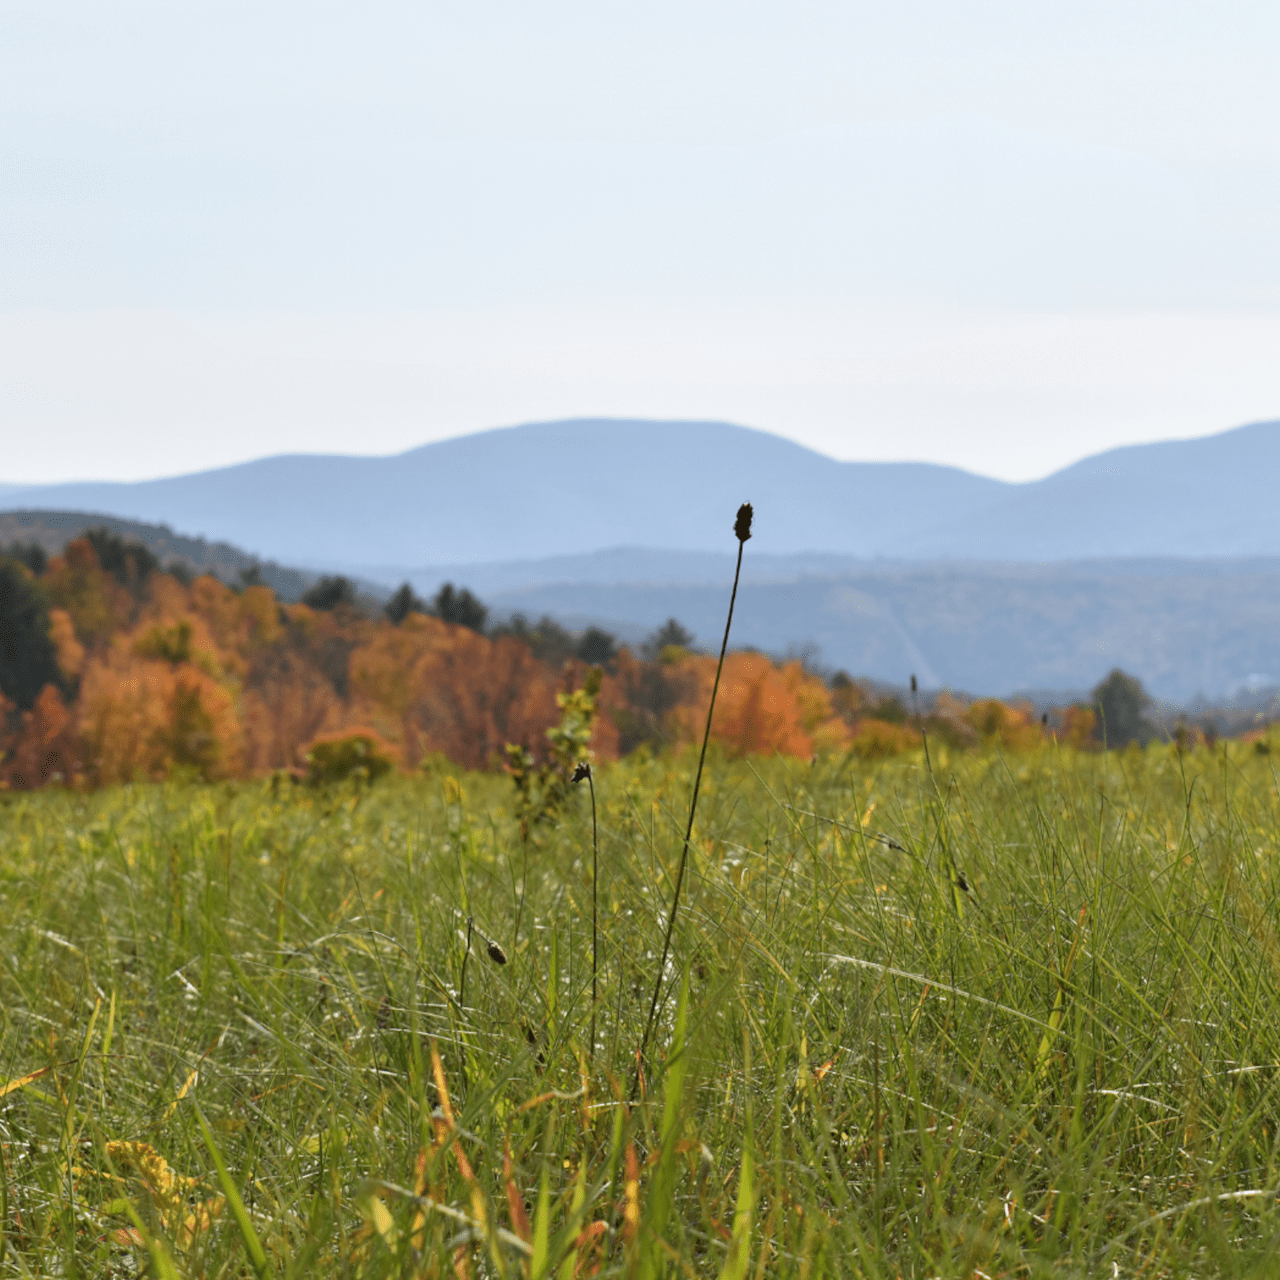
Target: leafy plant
(344, 757)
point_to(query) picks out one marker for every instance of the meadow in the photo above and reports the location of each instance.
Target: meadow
(955, 1016)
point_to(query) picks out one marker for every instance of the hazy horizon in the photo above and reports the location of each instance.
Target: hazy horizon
(987, 236)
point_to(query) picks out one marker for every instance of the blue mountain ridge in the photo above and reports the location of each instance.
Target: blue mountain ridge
(564, 488)
(1161, 558)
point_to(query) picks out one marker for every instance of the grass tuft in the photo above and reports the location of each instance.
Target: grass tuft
(1078, 1075)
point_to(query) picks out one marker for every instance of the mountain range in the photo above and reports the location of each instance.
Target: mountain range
(564, 488)
(1163, 559)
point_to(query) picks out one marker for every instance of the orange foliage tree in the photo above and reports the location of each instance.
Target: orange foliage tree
(762, 708)
(45, 747)
(431, 686)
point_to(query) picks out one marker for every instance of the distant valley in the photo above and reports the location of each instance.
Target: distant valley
(1163, 559)
(1188, 628)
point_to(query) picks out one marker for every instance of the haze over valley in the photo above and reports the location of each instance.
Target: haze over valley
(1163, 558)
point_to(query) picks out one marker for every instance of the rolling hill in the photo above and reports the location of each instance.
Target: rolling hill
(1162, 558)
(560, 488)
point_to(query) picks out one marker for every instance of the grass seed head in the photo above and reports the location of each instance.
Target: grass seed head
(496, 953)
(742, 525)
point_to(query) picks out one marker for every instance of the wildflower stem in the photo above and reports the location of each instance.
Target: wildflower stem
(595, 930)
(693, 808)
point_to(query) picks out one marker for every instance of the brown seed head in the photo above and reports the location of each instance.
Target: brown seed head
(496, 954)
(582, 772)
(742, 525)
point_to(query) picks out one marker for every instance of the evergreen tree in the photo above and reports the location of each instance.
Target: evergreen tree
(1122, 704)
(596, 647)
(403, 603)
(329, 593)
(671, 634)
(129, 563)
(28, 660)
(459, 607)
(31, 554)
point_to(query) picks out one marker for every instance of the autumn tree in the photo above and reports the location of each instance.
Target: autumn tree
(45, 747)
(439, 688)
(94, 601)
(762, 709)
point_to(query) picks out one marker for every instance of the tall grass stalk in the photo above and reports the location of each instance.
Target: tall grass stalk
(742, 531)
(581, 772)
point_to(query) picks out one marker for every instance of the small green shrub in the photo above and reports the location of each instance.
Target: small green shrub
(361, 757)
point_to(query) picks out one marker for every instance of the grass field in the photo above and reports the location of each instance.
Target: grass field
(1001, 1017)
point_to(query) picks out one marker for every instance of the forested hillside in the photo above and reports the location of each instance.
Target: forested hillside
(113, 670)
(52, 530)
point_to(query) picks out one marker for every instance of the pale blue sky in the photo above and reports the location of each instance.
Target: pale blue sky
(999, 235)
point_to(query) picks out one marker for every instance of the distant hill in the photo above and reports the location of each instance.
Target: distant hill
(1162, 558)
(542, 490)
(1208, 628)
(561, 488)
(52, 530)
(1214, 496)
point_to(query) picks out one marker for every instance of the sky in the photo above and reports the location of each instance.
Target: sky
(997, 235)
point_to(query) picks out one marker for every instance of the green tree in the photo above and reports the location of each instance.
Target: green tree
(1122, 704)
(671, 635)
(129, 563)
(460, 607)
(402, 604)
(329, 593)
(548, 641)
(596, 647)
(28, 660)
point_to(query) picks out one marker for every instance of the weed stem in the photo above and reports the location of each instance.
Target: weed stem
(693, 802)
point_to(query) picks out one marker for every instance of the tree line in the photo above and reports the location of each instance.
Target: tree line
(113, 668)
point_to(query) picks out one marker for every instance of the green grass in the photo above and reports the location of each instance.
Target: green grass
(1070, 1068)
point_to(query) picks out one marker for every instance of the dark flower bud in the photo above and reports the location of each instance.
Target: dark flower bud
(742, 525)
(496, 954)
(582, 771)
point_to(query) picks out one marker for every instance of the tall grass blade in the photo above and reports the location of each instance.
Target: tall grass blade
(662, 1192)
(252, 1244)
(739, 1260)
(540, 1263)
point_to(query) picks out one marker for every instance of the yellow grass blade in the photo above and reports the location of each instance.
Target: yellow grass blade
(20, 1081)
